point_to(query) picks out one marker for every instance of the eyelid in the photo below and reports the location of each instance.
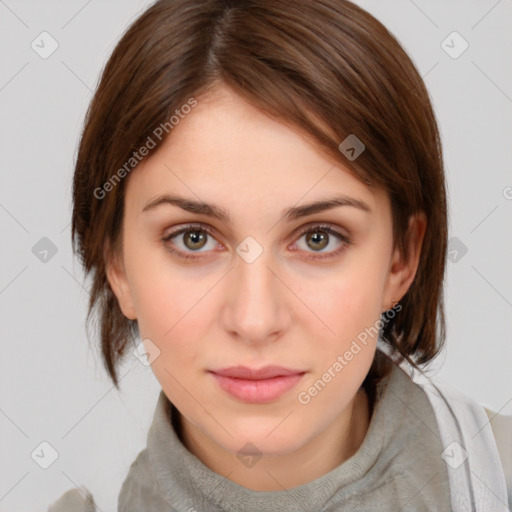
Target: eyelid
(320, 225)
(190, 227)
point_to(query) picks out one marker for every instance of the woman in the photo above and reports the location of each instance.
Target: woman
(259, 196)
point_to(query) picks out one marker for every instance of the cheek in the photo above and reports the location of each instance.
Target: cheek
(343, 354)
(172, 318)
(171, 310)
(350, 302)
(165, 295)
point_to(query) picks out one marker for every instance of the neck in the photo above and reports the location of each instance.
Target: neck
(337, 443)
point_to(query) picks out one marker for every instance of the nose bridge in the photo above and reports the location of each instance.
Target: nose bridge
(256, 310)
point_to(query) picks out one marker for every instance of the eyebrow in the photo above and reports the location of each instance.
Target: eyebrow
(289, 214)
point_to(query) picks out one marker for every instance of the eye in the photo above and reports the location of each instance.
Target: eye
(320, 236)
(190, 238)
(194, 239)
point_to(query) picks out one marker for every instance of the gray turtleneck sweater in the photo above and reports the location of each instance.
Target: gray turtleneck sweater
(397, 467)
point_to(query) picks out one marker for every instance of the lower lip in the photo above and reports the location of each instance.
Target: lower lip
(258, 391)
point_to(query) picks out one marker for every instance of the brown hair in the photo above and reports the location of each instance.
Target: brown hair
(326, 67)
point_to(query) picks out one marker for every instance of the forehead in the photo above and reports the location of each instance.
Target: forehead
(228, 150)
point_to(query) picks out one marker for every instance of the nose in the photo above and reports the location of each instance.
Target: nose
(256, 309)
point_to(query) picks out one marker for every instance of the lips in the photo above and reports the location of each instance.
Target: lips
(257, 385)
(267, 372)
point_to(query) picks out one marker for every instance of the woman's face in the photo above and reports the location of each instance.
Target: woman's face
(263, 287)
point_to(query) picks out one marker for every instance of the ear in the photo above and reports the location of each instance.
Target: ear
(116, 276)
(402, 273)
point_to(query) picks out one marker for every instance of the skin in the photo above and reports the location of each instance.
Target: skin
(283, 308)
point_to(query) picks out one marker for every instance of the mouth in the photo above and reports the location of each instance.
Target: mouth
(257, 385)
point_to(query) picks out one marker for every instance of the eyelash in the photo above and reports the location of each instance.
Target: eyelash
(199, 227)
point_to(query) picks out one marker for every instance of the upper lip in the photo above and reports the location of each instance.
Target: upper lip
(267, 372)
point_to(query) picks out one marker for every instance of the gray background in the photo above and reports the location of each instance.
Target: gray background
(53, 387)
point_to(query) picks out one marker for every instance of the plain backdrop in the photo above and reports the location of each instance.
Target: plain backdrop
(53, 386)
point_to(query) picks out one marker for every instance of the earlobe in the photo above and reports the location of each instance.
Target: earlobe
(116, 277)
(402, 272)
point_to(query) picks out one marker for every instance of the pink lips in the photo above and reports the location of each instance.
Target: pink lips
(257, 385)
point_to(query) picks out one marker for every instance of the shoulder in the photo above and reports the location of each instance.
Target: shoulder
(140, 473)
(502, 430)
(492, 445)
(140, 489)
(137, 490)
(459, 418)
(76, 500)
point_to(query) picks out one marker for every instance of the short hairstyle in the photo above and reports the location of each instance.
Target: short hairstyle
(325, 67)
